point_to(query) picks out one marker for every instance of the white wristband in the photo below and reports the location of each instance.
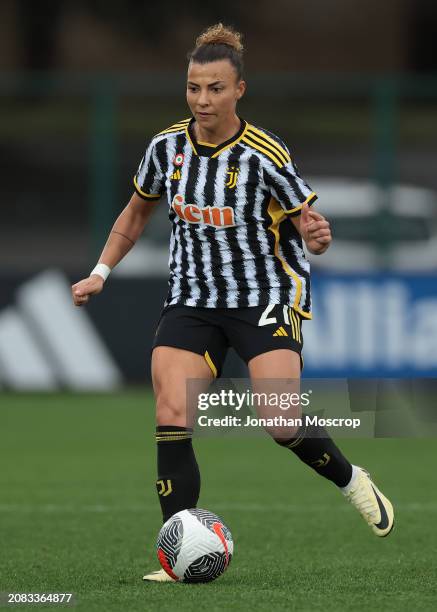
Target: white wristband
(101, 270)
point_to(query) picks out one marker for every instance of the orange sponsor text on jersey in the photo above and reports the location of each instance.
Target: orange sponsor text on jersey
(216, 216)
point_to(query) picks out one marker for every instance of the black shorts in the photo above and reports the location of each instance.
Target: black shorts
(210, 332)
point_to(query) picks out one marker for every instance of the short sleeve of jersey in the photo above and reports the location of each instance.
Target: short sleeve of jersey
(149, 179)
(286, 185)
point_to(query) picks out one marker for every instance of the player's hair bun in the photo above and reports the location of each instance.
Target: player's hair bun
(219, 34)
(219, 42)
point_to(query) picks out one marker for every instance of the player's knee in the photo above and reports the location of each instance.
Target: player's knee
(281, 424)
(282, 434)
(170, 410)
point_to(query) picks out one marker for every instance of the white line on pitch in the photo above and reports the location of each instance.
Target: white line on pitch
(243, 507)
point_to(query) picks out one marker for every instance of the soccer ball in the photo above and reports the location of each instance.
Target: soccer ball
(194, 546)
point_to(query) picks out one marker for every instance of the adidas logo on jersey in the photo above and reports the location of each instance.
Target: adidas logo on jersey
(215, 216)
(176, 176)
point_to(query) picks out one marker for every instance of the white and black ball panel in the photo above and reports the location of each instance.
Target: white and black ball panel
(210, 520)
(195, 545)
(206, 568)
(207, 518)
(170, 539)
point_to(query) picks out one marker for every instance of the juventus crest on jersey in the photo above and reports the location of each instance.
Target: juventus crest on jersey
(232, 244)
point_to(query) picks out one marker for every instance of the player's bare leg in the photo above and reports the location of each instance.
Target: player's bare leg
(280, 363)
(314, 447)
(178, 482)
(171, 368)
(277, 372)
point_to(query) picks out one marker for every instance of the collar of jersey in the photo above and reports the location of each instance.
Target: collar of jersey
(206, 151)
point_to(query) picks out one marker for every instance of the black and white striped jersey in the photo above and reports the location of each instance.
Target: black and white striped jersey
(232, 244)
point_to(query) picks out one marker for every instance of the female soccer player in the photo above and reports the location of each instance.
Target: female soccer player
(238, 273)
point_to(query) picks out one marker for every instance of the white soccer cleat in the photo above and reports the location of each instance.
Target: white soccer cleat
(158, 576)
(373, 506)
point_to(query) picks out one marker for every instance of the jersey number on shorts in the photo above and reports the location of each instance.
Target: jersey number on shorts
(266, 320)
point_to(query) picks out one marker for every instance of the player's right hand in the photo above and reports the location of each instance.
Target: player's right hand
(82, 290)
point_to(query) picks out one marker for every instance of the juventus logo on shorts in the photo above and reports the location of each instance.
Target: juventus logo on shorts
(233, 176)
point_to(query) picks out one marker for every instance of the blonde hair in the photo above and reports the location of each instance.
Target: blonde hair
(216, 43)
(219, 34)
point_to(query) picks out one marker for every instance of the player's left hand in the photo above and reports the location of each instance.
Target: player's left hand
(315, 230)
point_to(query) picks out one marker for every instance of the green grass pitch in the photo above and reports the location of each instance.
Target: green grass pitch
(78, 513)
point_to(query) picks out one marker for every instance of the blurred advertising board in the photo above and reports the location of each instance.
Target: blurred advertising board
(373, 325)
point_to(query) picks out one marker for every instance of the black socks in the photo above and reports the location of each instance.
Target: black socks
(314, 447)
(178, 483)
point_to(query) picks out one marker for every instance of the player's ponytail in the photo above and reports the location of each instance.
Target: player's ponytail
(216, 43)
